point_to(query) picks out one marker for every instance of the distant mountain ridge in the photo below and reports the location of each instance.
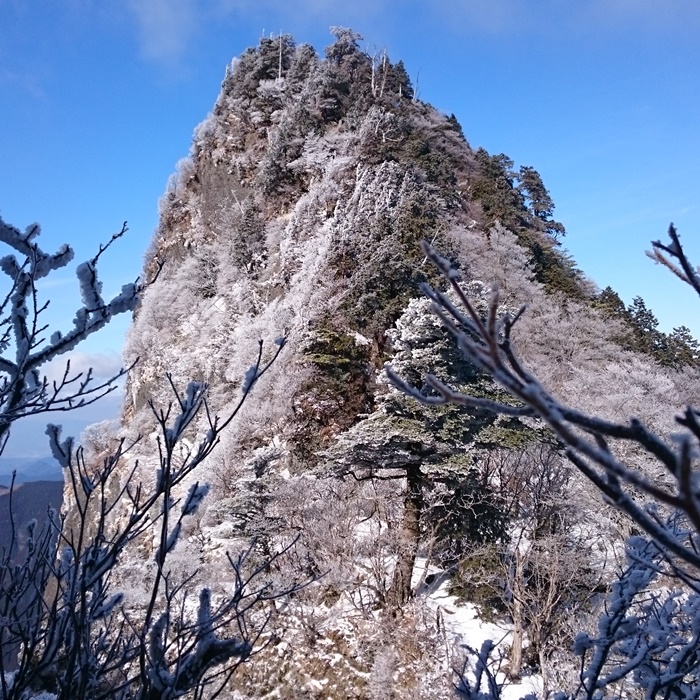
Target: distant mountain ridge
(30, 501)
(29, 469)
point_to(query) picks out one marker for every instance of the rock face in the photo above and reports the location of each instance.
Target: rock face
(299, 213)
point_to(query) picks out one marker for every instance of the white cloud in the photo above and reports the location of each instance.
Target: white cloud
(104, 365)
(493, 16)
(677, 15)
(326, 8)
(165, 27)
(29, 82)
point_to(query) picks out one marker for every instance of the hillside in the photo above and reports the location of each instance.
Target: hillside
(298, 213)
(30, 501)
(29, 469)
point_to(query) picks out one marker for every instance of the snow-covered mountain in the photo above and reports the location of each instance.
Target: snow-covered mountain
(298, 213)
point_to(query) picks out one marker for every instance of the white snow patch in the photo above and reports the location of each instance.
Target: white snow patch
(359, 338)
(465, 628)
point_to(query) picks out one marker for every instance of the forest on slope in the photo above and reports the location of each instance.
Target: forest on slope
(298, 215)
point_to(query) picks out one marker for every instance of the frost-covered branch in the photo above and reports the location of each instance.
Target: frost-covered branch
(24, 348)
(84, 638)
(648, 635)
(646, 644)
(666, 253)
(646, 638)
(476, 680)
(65, 629)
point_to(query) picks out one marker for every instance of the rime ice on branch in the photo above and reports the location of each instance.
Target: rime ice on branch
(81, 639)
(23, 344)
(487, 343)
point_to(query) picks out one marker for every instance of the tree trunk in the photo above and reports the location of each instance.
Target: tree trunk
(516, 650)
(544, 671)
(408, 538)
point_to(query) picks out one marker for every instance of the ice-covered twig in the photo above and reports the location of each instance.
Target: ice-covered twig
(23, 347)
(645, 637)
(665, 253)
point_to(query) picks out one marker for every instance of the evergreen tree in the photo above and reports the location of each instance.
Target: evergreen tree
(610, 303)
(345, 46)
(645, 336)
(391, 81)
(347, 80)
(302, 64)
(683, 348)
(268, 61)
(401, 82)
(647, 638)
(677, 350)
(533, 189)
(541, 205)
(495, 189)
(454, 124)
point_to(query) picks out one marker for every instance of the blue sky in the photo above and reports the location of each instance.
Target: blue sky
(99, 99)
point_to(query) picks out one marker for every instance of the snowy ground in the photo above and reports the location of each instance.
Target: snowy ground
(464, 626)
